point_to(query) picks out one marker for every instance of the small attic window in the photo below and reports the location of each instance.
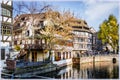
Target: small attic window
(85, 22)
(18, 25)
(41, 23)
(23, 18)
(79, 22)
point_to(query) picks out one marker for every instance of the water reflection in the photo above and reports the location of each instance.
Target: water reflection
(87, 71)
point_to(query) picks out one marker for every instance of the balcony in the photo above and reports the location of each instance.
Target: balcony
(33, 46)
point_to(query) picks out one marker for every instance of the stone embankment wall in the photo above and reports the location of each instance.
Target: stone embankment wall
(99, 58)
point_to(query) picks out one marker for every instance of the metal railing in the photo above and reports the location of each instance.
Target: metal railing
(33, 46)
(22, 64)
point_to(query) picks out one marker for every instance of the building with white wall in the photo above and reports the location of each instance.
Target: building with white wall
(25, 31)
(5, 30)
(82, 38)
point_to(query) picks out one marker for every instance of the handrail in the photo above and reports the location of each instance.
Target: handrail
(23, 64)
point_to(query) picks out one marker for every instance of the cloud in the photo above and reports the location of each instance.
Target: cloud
(96, 10)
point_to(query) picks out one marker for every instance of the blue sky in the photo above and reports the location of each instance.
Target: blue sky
(93, 11)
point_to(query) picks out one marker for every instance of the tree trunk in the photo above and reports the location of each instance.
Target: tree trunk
(49, 55)
(43, 57)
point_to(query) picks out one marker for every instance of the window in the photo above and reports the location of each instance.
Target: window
(58, 56)
(76, 46)
(85, 22)
(88, 46)
(5, 12)
(2, 54)
(81, 46)
(5, 30)
(79, 22)
(81, 40)
(76, 39)
(27, 33)
(82, 33)
(86, 34)
(15, 42)
(23, 18)
(90, 35)
(41, 24)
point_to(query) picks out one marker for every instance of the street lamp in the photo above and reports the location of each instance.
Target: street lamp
(53, 55)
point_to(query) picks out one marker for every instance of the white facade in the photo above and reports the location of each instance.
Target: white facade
(5, 31)
(82, 41)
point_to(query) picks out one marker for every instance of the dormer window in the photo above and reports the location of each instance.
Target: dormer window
(41, 24)
(18, 25)
(85, 22)
(23, 18)
(79, 22)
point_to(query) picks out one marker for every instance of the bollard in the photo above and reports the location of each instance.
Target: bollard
(114, 60)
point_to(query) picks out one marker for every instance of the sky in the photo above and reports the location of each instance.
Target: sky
(94, 12)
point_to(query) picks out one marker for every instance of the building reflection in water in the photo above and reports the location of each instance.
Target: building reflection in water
(87, 71)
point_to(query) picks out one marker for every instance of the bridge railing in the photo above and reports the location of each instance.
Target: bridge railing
(23, 64)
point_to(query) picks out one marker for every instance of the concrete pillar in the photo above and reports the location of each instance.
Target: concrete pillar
(68, 55)
(69, 74)
(65, 75)
(65, 55)
(30, 57)
(61, 55)
(61, 76)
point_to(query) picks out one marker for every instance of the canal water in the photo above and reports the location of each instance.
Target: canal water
(98, 70)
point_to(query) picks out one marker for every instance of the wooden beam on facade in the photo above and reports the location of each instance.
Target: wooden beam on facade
(5, 41)
(6, 38)
(6, 2)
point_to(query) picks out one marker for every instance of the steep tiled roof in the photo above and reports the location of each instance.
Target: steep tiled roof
(26, 17)
(77, 24)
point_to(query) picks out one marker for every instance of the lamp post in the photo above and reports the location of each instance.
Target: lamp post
(53, 55)
(43, 52)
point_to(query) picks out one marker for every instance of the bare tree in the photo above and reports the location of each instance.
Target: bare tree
(23, 7)
(58, 29)
(31, 9)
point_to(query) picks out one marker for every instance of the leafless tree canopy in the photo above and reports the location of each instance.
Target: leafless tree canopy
(23, 7)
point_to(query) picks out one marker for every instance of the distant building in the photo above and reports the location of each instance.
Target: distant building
(94, 38)
(83, 37)
(99, 45)
(6, 29)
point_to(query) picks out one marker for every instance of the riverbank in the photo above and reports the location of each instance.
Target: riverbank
(57, 65)
(99, 58)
